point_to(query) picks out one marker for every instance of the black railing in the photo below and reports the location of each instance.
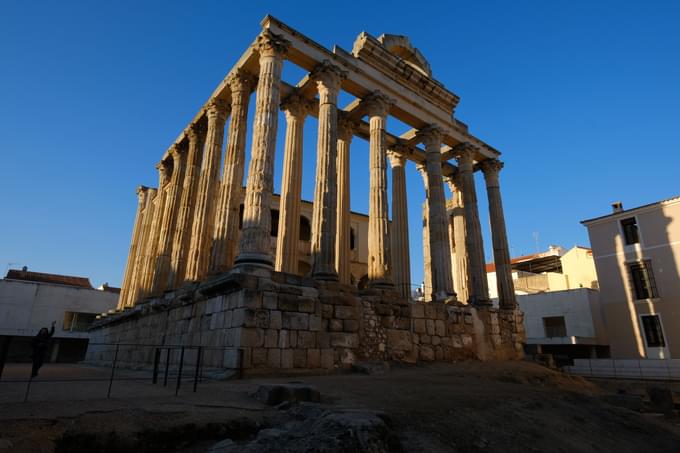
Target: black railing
(195, 375)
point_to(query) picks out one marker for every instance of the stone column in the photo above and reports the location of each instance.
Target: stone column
(254, 245)
(474, 244)
(182, 237)
(427, 259)
(169, 223)
(401, 262)
(499, 238)
(149, 238)
(165, 171)
(440, 247)
(208, 184)
(136, 279)
(226, 222)
(134, 247)
(459, 255)
(324, 222)
(296, 109)
(379, 259)
(343, 251)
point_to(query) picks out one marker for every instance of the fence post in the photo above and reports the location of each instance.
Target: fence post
(113, 370)
(179, 373)
(156, 361)
(240, 363)
(199, 353)
(167, 367)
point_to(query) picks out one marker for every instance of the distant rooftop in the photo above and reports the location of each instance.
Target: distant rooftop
(41, 277)
(618, 209)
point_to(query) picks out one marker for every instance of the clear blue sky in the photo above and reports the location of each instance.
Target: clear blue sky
(582, 98)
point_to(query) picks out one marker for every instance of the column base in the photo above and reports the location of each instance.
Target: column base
(254, 259)
(474, 300)
(325, 276)
(381, 283)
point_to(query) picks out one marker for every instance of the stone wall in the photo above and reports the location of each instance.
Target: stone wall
(267, 321)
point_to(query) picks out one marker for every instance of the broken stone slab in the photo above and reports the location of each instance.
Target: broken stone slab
(372, 368)
(223, 446)
(274, 394)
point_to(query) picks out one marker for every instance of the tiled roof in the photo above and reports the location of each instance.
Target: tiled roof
(30, 276)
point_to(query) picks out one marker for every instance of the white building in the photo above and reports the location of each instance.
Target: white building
(32, 300)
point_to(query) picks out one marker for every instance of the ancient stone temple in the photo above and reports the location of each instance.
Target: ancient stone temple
(205, 267)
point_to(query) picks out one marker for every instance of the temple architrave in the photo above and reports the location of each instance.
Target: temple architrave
(205, 267)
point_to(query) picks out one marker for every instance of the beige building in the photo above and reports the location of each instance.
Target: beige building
(636, 254)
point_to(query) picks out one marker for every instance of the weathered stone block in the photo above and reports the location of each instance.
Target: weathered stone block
(326, 311)
(429, 324)
(344, 340)
(299, 358)
(259, 357)
(425, 339)
(286, 358)
(270, 301)
(419, 326)
(335, 325)
(350, 325)
(345, 312)
(313, 358)
(306, 339)
(295, 321)
(440, 327)
(436, 341)
(274, 358)
(399, 340)
(314, 323)
(275, 321)
(426, 353)
(274, 394)
(252, 337)
(284, 339)
(306, 305)
(327, 359)
(271, 338)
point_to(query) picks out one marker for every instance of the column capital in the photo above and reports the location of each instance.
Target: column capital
(422, 169)
(164, 171)
(491, 166)
(141, 192)
(328, 76)
(217, 108)
(431, 136)
(269, 44)
(465, 154)
(346, 126)
(454, 182)
(295, 105)
(241, 80)
(377, 104)
(194, 130)
(397, 159)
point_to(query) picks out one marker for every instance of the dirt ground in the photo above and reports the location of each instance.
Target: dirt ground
(460, 407)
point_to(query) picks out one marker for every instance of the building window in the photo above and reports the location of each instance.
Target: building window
(630, 231)
(78, 322)
(305, 229)
(555, 326)
(651, 324)
(352, 239)
(643, 280)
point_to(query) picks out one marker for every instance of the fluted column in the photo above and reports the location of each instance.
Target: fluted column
(343, 252)
(150, 239)
(499, 238)
(474, 244)
(295, 108)
(254, 245)
(226, 222)
(134, 247)
(458, 254)
(401, 262)
(208, 184)
(165, 171)
(324, 222)
(169, 222)
(440, 247)
(427, 258)
(379, 259)
(185, 217)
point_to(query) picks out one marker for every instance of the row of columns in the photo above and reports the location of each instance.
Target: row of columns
(189, 228)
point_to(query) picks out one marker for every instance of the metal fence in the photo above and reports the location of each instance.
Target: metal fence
(172, 365)
(643, 369)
